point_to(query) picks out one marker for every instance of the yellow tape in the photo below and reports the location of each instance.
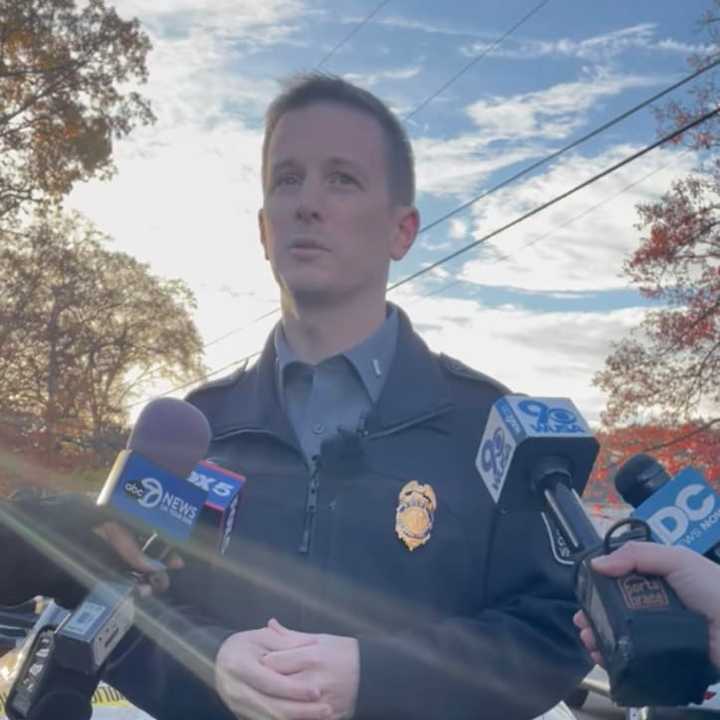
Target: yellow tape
(103, 697)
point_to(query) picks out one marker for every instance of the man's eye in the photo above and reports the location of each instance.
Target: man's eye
(286, 180)
(341, 178)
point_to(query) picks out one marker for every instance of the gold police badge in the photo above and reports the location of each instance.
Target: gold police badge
(415, 513)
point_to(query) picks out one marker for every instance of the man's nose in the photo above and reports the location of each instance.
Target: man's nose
(309, 202)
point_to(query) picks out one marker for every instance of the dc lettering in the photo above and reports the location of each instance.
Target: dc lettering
(495, 455)
(671, 524)
(550, 419)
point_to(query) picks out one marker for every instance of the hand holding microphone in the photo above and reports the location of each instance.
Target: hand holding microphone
(149, 491)
(694, 578)
(540, 450)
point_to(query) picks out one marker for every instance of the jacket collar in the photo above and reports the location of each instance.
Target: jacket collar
(414, 387)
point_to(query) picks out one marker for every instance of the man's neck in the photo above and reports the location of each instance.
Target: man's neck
(323, 330)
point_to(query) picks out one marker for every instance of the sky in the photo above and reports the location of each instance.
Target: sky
(537, 306)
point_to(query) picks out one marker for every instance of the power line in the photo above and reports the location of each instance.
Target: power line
(574, 144)
(352, 33)
(543, 206)
(212, 373)
(521, 173)
(236, 330)
(525, 216)
(550, 233)
(504, 183)
(475, 60)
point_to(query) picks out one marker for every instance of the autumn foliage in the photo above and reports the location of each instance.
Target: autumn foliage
(66, 77)
(663, 379)
(84, 331)
(675, 447)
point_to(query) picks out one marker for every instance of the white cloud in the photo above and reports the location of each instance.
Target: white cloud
(456, 166)
(188, 208)
(570, 247)
(398, 21)
(551, 354)
(458, 229)
(254, 22)
(597, 48)
(553, 113)
(368, 80)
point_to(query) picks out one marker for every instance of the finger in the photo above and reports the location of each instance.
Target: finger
(645, 557)
(296, 635)
(288, 662)
(597, 658)
(159, 582)
(580, 620)
(274, 685)
(588, 640)
(174, 562)
(251, 704)
(127, 547)
(272, 639)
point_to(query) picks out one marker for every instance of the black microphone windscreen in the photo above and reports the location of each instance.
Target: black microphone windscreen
(171, 433)
(639, 478)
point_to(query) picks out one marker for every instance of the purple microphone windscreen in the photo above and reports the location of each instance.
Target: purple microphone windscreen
(172, 434)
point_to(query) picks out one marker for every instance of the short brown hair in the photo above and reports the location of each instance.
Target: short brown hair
(307, 89)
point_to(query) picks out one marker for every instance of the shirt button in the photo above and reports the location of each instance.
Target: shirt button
(319, 429)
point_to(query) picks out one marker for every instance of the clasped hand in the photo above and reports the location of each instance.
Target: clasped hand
(277, 673)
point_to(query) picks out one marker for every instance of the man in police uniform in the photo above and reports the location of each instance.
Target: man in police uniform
(371, 575)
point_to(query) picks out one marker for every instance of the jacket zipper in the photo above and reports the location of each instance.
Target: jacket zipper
(313, 485)
(311, 504)
(310, 509)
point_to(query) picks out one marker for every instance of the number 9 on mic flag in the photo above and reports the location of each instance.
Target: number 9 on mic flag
(519, 431)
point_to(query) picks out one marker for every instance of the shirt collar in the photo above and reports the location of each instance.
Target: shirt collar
(371, 358)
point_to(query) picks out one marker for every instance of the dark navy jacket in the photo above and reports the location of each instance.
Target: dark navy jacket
(476, 623)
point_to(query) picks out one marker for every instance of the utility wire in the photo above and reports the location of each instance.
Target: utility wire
(684, 128)
(516, 176)
(550, 233)
(352, 33)
(572, 145)
(525, 216)
(475, 60)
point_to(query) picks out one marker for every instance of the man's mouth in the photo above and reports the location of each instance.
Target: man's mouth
(306, 244)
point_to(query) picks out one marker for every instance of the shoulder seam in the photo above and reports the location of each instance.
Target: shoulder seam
(222, 382)
(460, 369)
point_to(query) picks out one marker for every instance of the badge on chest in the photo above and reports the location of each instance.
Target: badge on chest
(415, 514)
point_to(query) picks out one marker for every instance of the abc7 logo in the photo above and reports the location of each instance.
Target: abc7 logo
(148, 492)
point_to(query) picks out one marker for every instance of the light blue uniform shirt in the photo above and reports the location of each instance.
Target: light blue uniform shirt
(337, 392)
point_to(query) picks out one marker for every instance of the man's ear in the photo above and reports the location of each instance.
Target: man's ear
(263, 236)
(406, 230)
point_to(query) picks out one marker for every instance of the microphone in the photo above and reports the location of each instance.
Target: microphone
(539, 452)
(683, 510)
(147, 489)
(217, 517)
(48, 542)
(42, 688)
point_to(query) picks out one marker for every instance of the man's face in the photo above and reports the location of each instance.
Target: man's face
(328, 225)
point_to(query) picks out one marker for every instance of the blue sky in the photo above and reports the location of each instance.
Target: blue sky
(539, 306)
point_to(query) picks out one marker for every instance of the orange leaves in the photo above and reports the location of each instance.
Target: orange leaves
(60, 95)
(675, 446)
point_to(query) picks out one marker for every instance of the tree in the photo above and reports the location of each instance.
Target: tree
(674, 447)
(84, 330)
(666, 372)
(61, 105)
